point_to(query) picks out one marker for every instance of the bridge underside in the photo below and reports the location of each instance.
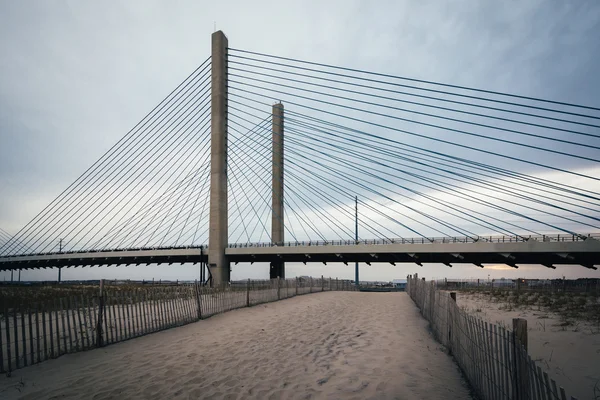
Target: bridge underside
(586, 253)
(105, 258)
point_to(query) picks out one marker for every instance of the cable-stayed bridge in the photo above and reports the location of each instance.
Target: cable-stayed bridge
(261, 158)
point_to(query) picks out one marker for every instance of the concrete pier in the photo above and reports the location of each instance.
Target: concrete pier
(218, 235)
(277, 269)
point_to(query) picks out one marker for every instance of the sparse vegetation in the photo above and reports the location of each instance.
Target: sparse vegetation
(575, 310)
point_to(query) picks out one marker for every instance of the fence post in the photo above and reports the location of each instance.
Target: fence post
(450, 319)
(431, 302)
(248, 293)
(198, 302)
(99, 338)
(322, 284)
(296, 286)
(337, 287)
(278, 289)
(310, 284)
(521, 368)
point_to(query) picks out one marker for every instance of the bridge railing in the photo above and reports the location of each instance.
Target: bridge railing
(426, 240)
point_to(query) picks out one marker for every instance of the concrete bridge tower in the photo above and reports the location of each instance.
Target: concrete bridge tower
(277, 269)
(218, 219)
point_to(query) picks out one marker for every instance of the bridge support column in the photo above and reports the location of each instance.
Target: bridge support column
(218, 235)
(277, 269)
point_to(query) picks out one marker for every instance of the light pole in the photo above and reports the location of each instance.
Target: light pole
(356, 280)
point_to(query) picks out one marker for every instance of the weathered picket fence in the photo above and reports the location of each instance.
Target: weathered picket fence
(50, 326)
(493, 359)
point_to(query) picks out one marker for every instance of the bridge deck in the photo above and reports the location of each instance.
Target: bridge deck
(499, 250)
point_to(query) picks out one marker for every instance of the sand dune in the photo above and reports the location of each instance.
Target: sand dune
(331, 345)
(570, 356)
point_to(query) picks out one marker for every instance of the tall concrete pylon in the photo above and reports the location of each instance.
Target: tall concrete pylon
(277, 269)
(218, 235)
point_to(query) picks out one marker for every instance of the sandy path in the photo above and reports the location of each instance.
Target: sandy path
(332, 345)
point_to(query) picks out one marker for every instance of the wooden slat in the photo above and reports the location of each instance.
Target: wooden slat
(118, 311)
(51, 333)
(474, 359)
(58, 318)
(161, 306)
(135, 321)
(185, 304)
(159, 309)
(140, 312)
(542, 394)
(37, 333)
(177, 311)
(151, 310)
(173, 306)
(67, 306)
(554, 389)
(95, 310)
(496, 362)
(541, 386)
(24, 336)
(506, 361)
(153, 325)
(8, 343)
(481, 370)
(78, 324)
(167, 303)
(110, 334)
(85, 340)
(547, 387)
(499, 343)
(127, 303)
(181, 306)
(533, 392)
(119, 303)
(72, 307)
(16, 339)
(89, 322)
(31, 348)
(487, 378)
(2, 369)
(43, 308)
(192, 304)
(563, 395)
(144, 310)
(188, 304)
(107, 313)
(202, 301)
(490, 357)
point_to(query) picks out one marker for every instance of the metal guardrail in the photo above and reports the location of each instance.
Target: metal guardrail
(426, 240)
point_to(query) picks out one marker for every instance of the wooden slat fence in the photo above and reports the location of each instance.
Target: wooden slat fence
(34, 331)
(493, 359)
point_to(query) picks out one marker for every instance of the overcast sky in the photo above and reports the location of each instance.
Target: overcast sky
(77, 75)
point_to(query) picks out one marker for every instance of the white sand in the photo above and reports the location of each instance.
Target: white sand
(570, 355)
(333, 345)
